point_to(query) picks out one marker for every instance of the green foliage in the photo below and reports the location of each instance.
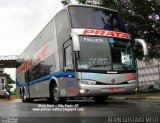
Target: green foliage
(10, 80)
(65, 2)
(81, 1)
(10, 86)
(142, 18)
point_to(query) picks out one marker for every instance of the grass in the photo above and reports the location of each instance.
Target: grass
(4, 100)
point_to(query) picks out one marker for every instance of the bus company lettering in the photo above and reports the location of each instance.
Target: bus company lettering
(106, 33)
(93, 40)
(42, 54)
(24, 67)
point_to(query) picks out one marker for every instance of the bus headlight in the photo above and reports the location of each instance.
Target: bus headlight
(131, 81)
(136, 89)
(87, 82)
(82, 91)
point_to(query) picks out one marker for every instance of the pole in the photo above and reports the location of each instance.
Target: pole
(159, 69)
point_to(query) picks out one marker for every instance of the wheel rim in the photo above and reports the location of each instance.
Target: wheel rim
(23, 96)
(56, 94)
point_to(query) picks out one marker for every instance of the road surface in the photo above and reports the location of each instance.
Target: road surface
(82, 111)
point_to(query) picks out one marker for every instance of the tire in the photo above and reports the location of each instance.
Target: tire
(23, 95)
(24, 98)
(55, 95)
(29, 100)
(100, 99)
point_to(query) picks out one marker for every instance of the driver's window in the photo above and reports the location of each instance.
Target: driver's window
(68, 58)
(126, 57)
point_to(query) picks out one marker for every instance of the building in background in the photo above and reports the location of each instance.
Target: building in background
(149, 74)
(3, 81)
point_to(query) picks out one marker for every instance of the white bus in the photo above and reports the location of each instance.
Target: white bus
(84, 51)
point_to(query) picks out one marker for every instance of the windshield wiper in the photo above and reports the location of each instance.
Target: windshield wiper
(127, 67)
(98, 65)
(124, 67)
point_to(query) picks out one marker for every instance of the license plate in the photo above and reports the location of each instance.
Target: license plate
(113, 90)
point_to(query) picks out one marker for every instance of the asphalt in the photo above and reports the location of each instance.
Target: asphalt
(122, 97)
(137, 96)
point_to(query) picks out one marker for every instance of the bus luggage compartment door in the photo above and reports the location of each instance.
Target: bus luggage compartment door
(68, 87)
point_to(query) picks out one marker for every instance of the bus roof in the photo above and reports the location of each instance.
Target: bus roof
(66, 7)
(91, 6)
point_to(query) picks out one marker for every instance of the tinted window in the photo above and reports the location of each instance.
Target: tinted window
(68, 58)
(63, 31)
(95, 18)
(95, 54)
(2, 81)
(122, 55)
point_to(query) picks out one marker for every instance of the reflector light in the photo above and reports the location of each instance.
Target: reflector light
(131, 75)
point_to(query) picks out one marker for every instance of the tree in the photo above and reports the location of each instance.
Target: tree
(142, 18)
(10, 80)
(65, 2)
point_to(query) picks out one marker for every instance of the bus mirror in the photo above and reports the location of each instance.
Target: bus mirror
(144, 45)
(75, 41)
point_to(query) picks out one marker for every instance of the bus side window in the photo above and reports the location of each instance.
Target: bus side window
(68, 58)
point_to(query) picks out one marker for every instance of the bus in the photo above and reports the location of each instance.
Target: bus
(84, 51)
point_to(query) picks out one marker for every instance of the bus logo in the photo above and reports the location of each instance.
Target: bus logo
(106, 33)
(113, 81)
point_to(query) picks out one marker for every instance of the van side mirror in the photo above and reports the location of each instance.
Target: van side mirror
(75, 41)
(144, 45)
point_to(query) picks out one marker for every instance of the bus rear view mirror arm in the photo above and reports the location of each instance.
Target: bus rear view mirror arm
(144, 45)
(75, 41)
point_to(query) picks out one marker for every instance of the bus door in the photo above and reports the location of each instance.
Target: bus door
(71, 85)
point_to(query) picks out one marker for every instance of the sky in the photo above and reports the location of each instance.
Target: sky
(20, 23)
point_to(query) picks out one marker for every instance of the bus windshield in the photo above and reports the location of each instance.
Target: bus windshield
(95, 18)
(122, 55)
(105, 54)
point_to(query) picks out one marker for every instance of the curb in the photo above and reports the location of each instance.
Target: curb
(16, 100)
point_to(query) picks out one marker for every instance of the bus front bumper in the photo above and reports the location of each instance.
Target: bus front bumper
(105, 90)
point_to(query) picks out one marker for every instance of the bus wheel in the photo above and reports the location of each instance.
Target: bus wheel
(100, 99)
(23, 96)
(55, 95)
(29, 100)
